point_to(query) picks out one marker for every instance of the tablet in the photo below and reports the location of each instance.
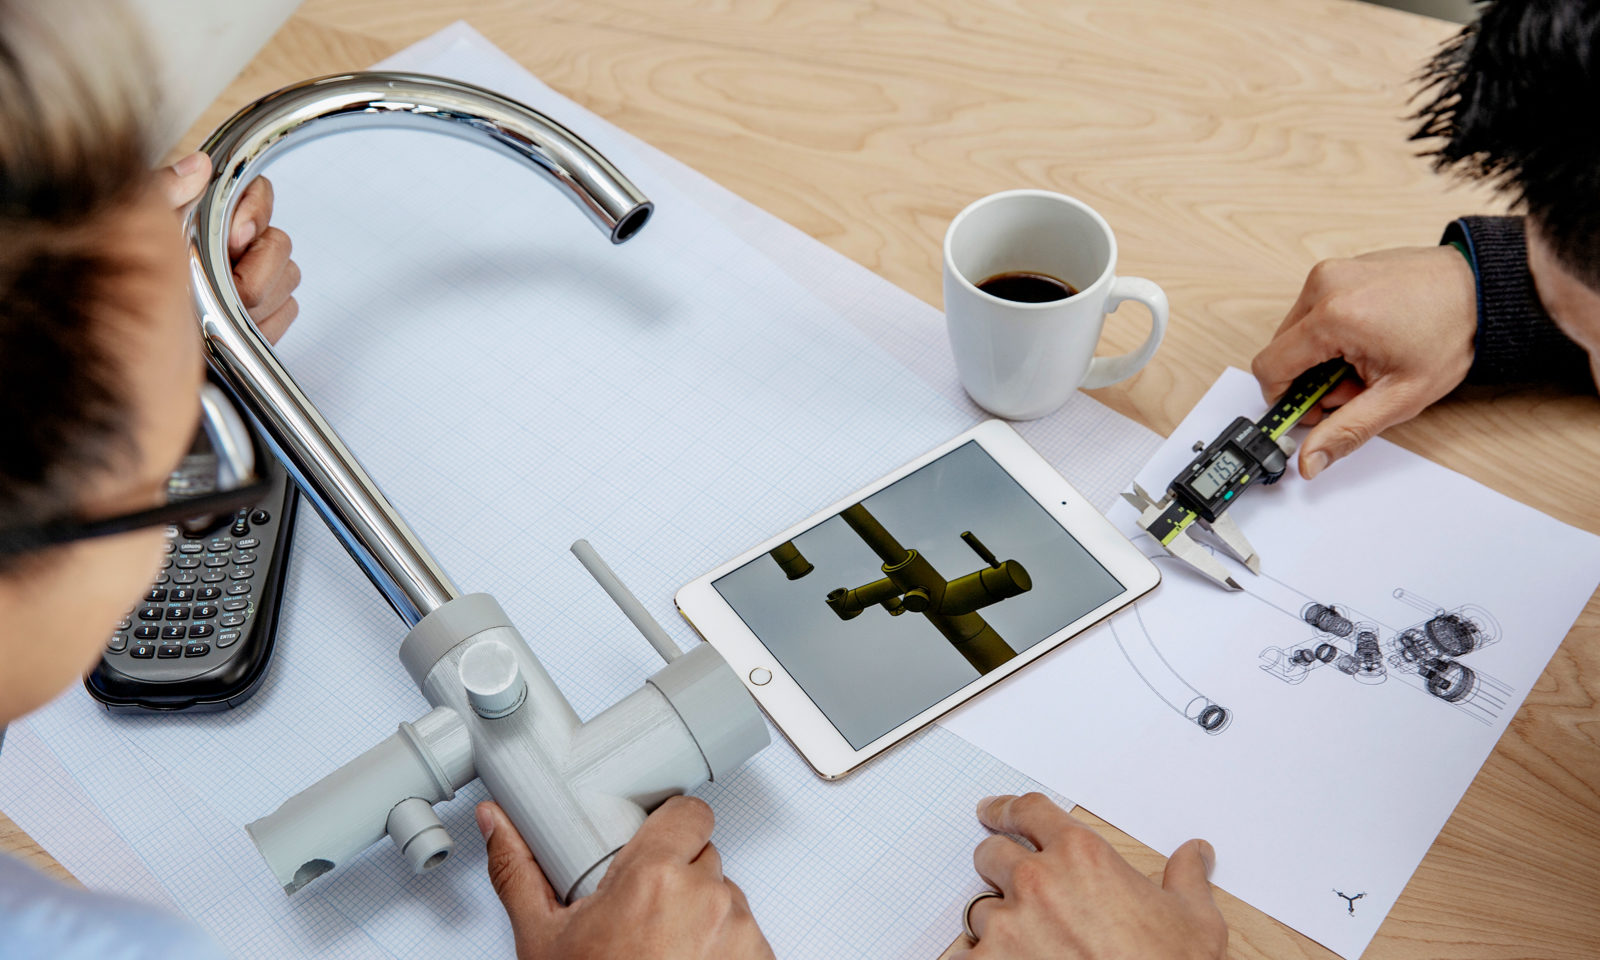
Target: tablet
(868, 621)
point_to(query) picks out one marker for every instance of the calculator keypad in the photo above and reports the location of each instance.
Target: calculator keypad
(201, 598)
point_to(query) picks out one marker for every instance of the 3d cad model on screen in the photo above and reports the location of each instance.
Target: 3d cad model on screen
(910, 583)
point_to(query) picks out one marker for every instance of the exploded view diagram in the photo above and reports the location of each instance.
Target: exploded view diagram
(1426, 654)
(1431, 652)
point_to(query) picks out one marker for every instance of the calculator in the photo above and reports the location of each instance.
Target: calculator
(201, 638)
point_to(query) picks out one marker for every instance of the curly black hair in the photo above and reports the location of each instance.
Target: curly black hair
(1515, 97)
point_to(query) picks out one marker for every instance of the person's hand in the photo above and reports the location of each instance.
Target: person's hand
(1075, 897)
(663, 897)
(1405, 319)
(262, 271)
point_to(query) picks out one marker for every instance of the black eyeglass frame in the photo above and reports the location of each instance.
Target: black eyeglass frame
(219, 417)
(25, 539)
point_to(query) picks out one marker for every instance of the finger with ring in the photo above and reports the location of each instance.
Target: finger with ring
(966, 915)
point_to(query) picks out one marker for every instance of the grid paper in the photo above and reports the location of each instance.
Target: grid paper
(516, 383)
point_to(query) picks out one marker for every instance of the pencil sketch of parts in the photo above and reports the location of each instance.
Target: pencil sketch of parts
(1427, 654)
(1133, 638)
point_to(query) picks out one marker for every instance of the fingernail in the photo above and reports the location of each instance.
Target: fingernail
(1313, 463)
(1208, 856)
(245, 234)
(189, 165)
(984, 804)
(485, 820)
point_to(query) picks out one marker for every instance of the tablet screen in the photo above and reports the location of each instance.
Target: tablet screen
(898, 601)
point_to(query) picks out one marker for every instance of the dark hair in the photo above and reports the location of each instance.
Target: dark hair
(74, 148)
(1514, 98)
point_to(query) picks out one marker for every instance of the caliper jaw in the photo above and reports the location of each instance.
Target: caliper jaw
(1184, 547)
(1232, 538)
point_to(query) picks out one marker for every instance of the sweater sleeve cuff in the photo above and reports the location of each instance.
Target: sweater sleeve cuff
(1517, 342)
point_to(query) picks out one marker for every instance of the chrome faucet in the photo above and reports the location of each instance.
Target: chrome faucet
(576, 791)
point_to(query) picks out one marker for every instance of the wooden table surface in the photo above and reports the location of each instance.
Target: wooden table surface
(1230, 143)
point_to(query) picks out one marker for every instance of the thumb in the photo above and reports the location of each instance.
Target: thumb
(517, 879)
(1382, 404)
(182, 182)
(1189, 870)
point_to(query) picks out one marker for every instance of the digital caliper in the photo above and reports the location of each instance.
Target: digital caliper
(1244, 454)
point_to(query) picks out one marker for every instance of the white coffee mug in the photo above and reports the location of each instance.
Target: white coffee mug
(1023, 360)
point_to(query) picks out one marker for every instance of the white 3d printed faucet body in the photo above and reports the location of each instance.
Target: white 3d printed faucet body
(576, 791)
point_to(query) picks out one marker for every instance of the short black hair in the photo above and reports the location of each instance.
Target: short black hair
(75, 149)
(1514, 97)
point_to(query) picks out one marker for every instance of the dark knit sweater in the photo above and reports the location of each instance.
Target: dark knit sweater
(1517, 342)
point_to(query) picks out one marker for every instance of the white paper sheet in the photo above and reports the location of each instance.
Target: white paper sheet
(1321, 787)
(515, 382)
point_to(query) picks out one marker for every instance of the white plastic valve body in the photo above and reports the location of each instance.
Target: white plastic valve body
(578, 791)
(575, 791)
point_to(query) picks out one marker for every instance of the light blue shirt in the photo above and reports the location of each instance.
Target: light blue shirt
(43, 919)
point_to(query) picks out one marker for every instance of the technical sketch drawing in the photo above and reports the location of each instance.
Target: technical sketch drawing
(1351, 900)
(1165, 682)
(910, 582)
(1136, 644)
(1426, 654)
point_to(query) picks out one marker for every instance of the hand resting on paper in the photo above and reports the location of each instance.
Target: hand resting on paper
(664, 896)
(1076, 897)
(262, 271)
(1404, 318)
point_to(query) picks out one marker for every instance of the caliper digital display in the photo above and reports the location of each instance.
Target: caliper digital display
(1241, 455)
(1221, 469)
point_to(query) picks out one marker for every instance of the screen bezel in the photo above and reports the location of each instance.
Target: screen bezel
(798, 717)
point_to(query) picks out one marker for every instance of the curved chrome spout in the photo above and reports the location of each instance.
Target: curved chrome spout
(357, 511)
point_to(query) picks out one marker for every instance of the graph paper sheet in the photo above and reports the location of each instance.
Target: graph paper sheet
(1352, 738)
(515, 382)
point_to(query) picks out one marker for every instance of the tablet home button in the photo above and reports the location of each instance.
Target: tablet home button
(760, 676)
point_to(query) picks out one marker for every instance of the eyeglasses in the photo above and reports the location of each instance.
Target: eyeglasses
(215, 478)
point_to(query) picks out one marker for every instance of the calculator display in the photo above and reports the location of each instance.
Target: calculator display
(196, 476)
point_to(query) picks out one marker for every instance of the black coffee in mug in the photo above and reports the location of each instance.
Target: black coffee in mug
(1021, 286)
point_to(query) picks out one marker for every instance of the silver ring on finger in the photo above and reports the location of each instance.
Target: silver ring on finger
(966, 915)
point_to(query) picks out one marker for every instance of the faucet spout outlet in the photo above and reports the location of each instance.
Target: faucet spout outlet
(332, 821)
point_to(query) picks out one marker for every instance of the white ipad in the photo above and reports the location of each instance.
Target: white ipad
(862, 624)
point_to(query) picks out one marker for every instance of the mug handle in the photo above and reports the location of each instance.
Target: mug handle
(1104, 371)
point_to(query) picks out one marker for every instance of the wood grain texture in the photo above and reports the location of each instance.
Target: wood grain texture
(14, 842)
(1231, 144)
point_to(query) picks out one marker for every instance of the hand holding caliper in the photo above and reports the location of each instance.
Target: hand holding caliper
(1242, 455)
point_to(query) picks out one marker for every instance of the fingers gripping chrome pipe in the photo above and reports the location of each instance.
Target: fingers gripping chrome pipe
(576, 790)
(363, 519)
